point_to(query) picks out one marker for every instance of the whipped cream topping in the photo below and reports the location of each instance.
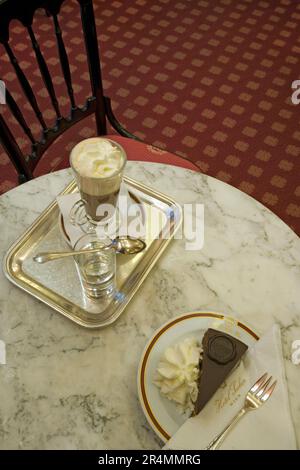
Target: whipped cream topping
(177, 373)
(97, 157)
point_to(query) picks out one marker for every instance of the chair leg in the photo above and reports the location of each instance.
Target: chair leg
(114, 121)
(22, 179)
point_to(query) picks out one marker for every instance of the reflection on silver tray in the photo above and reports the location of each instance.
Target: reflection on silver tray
(57, 284)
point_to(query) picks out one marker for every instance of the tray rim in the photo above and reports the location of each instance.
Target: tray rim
(25, 282)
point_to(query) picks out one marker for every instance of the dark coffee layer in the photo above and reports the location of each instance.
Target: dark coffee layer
(92, 203)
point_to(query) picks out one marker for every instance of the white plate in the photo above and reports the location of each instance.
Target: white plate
(162, 415)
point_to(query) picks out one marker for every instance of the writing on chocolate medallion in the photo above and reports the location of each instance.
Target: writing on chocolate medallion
(230, 394)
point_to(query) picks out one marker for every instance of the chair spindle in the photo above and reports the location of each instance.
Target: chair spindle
(26, 87)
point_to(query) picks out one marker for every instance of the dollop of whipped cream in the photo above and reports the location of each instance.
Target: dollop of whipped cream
(97, 157)
(177, 373)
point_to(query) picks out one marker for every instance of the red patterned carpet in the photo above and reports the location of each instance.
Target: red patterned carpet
(208, 80)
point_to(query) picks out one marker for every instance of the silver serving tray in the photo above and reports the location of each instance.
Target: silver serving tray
(57, 283)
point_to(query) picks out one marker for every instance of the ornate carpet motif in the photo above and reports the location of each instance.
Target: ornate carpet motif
(207, 80)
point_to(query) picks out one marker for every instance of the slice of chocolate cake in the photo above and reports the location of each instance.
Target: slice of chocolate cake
(221, 353)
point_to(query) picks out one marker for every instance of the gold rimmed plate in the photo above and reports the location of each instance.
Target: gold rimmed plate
(163, 415)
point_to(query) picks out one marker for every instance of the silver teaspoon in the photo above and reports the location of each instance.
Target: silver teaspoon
(124, 245)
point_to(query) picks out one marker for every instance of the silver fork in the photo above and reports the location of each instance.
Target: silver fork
(258, 394)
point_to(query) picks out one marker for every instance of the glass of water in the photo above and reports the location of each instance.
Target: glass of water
(97, 270)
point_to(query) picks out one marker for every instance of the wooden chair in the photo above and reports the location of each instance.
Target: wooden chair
(97, 104)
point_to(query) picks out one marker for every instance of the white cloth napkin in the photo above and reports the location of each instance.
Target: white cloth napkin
(269, 427)
(67, 201)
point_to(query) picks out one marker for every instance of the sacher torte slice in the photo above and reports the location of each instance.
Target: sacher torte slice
(221, 353)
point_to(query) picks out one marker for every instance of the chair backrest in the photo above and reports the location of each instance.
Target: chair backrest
(96, 103)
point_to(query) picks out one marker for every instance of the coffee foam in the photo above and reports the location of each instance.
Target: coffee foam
(97, 158)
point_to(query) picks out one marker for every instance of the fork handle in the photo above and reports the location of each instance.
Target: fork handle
(217, 441)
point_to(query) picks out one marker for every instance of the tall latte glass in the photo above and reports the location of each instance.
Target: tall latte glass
(98, 164)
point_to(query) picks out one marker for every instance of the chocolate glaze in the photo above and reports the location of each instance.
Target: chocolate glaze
(221, 353)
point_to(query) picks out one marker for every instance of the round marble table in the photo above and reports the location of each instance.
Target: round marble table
(67, 387)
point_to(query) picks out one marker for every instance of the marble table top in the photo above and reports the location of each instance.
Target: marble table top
(65, 387)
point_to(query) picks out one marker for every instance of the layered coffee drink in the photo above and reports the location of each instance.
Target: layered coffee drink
(98, 164)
